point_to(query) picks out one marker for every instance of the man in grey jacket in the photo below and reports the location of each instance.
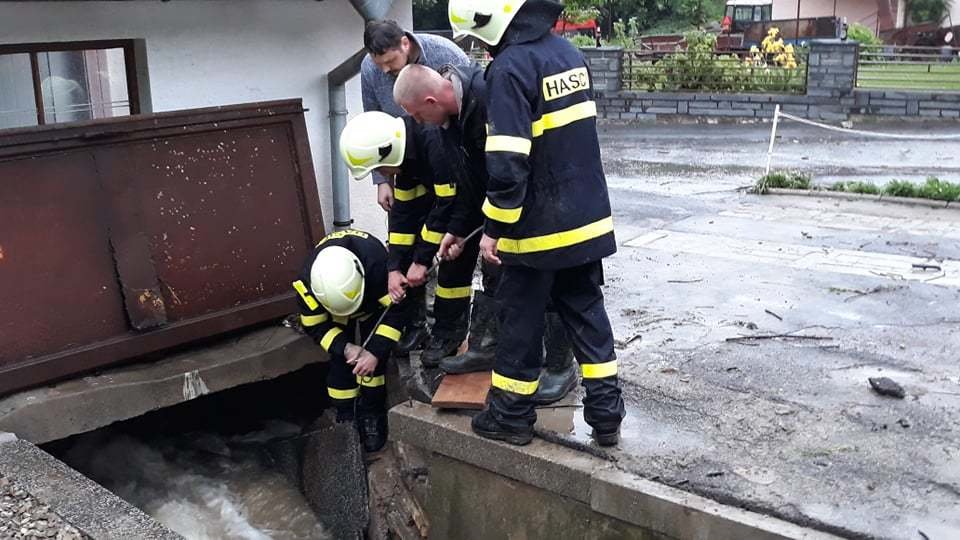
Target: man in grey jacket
(389, 49)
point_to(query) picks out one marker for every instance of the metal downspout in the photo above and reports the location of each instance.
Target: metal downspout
(337, 100)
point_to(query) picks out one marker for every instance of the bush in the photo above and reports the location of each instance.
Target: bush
(787, 180)
(900, 188)
(862, 34)
(583, 41)
(700, 68)
(939, 190)
(856, 187)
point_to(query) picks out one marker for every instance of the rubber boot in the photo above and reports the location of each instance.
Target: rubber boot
(508, 417)
(416, 333)
(345, 412)
(560, 373)
(481, 354)
(372, 422)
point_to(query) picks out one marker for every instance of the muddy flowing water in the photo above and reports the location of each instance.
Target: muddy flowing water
(200, 484)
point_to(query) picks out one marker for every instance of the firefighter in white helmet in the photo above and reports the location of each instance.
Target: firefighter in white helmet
(342, 291)
(416, 160)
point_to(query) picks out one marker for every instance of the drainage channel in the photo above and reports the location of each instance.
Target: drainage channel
(221, 466)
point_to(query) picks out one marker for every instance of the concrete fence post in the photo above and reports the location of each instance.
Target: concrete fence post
(605, 66)
(832, 68)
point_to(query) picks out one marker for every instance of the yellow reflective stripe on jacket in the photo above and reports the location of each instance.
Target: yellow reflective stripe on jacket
(506, 143)
(385, 300)
(405, 195)
(433, 237)
(445, 190)
(524, 388)
(503, 215)
(563, 117)
(371, 382)
(307, 297)
(313, 320)
(388, 332)
(343, 394)
(599, 371)
(452, 293)
(328, 338)
(401, 239)
(556, 240)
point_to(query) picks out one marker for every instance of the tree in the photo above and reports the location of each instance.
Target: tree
(928, 10)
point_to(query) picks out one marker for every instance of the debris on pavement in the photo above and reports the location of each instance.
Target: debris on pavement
(886, 386)
(772, 314)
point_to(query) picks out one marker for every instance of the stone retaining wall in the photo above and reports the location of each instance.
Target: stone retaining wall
(831, 93)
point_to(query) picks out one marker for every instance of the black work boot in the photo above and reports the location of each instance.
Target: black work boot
(483, 339)
(509, 417)
(345, 413)
(606, 435)
(437, 349)
(416, 333)
(372, 426)
(485, 425)
(560, 373)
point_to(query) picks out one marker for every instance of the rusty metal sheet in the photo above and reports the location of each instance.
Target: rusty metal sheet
(127, 236)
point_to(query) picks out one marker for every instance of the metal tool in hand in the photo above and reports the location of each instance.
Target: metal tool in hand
(433, 267)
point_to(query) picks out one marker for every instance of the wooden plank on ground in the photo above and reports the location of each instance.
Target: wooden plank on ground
(466, 391)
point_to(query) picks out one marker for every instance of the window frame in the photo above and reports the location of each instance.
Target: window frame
(133, 50)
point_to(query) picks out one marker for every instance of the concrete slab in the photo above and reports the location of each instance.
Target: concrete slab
(84, 504)
(80, 405)
(601, 485)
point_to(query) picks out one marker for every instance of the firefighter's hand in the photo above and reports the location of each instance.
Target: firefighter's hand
(364, 364)
(450, 247)
(417, 275)
(351, 352)
(385, 196)
(488, 248)
(396, 286)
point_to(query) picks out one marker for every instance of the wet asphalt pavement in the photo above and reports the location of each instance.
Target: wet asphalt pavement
(706, 274)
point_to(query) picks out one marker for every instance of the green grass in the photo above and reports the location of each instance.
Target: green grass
(787, 180)
(933, 188)
(909, 76)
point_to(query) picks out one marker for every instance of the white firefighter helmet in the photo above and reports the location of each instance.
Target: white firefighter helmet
(485, 20)
(336, 279)
(372, 139)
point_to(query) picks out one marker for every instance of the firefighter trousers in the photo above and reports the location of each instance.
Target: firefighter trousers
(524, 294)
(451, 309)
(343, 386)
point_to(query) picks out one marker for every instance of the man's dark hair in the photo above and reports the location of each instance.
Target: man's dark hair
(381, 36)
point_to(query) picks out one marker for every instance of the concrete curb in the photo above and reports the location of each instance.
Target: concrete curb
(80, 501)
(862, 197)
(79, 405)
(589, 480)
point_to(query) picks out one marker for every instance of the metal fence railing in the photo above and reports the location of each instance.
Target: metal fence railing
(909, 67)
(737, 71)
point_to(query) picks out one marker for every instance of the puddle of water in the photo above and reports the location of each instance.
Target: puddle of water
(202, 486)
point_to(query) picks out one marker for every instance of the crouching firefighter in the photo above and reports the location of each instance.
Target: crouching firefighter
(548, 218)
(424, 191)
(455, 99)
(342, 292)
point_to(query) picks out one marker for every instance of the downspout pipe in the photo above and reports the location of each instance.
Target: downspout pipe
(337, 100)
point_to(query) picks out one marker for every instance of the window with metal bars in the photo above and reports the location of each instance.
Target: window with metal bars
(49, 83)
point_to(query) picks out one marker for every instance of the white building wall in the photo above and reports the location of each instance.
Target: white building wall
(221, 52)
(861, 11)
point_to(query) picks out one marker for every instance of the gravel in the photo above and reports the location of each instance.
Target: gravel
(23, 516)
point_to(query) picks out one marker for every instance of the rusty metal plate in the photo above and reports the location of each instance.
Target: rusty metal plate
(127, 236)
(57, 282)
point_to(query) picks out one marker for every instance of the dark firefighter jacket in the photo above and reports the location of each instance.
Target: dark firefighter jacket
(465, 139)
(329, 330)
(423, 193)
(547, 199)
